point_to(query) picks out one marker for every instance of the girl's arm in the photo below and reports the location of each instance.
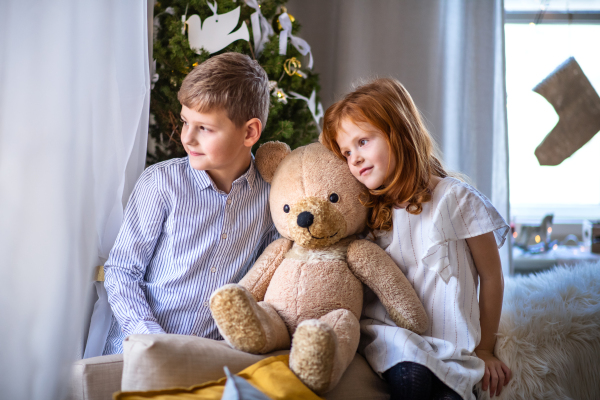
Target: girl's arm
(487, 261)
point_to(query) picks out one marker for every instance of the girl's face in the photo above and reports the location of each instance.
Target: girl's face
(367, 153)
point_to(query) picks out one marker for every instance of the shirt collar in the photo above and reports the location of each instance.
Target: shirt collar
(250, 174)
(203, 179)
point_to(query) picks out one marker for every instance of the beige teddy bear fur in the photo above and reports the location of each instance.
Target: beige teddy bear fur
(306, 289)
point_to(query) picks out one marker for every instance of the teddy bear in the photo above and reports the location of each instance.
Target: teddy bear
(306, 288)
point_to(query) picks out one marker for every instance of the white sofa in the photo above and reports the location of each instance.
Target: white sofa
(549, 335)
(152, 362)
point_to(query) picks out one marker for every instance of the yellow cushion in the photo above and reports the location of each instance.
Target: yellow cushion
(271, 376)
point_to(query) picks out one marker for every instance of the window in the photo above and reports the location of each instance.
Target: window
(540, 35)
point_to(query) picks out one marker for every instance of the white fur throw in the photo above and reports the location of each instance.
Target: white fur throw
(549, 334)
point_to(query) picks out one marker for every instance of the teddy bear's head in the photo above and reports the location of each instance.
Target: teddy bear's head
(314, 198)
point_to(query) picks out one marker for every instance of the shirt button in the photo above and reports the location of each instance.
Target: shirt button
(228, 201)
(213, 270)
(205, 304)
(224, 236)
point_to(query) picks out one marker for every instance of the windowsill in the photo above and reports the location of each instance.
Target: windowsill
(567, 221)
(525, 263)
(563, 213)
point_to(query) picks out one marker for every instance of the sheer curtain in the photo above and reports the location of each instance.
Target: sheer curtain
(450, 56)
(74, 100)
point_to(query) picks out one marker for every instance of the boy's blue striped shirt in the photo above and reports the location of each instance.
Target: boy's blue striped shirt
(181, 239)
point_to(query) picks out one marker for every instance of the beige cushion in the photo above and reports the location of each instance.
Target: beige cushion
(96, 378)
(165, 361)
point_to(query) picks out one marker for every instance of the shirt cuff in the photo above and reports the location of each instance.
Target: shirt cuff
(147, 327)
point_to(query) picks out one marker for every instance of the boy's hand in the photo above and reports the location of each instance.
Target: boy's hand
(496, 375)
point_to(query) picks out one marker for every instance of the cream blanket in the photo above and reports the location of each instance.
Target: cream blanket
(549, 334)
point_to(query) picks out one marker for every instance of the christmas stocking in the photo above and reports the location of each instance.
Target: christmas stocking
(578, 107)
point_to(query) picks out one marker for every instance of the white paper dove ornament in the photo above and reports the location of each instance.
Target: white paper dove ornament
(215, 33)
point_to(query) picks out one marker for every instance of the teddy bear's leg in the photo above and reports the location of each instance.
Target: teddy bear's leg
(245, 324)
(322, 349)
(347, 329)
(278, 336)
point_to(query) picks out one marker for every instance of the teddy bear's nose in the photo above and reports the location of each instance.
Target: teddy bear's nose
(305, 219)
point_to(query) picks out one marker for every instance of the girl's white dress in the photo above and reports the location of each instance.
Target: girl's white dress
(431, 250)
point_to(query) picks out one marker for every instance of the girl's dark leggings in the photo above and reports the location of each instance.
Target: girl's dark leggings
(410, 381)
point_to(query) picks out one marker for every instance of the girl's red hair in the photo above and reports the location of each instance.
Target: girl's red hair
(387, 106)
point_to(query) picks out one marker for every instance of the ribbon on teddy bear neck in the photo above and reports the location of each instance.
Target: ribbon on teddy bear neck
(300, 44)
(261, 29)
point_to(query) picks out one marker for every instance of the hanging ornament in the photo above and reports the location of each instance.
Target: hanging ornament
(281, 96)
(216, 32)
(276, 24)
(277, 92)
(291, 66)
(300, 44)
(315, 109)
(578, 107)
(261, 29)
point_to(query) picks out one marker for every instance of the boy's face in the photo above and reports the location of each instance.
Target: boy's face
(211, 139)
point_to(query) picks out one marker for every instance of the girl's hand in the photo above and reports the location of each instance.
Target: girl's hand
(496, 375)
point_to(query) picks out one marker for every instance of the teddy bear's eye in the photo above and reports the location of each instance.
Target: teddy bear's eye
(334, 198)
(286, 209)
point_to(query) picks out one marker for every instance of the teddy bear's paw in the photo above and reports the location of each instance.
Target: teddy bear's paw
(312, 355)
(235, 312)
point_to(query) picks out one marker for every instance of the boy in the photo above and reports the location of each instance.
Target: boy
(194, 224)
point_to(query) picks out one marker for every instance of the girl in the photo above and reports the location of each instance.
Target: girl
(442, 233)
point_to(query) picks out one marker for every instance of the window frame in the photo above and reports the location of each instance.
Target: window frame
(535, 212)
(552, 17)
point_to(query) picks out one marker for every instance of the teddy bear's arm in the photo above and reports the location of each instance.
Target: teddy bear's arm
(375, 268)
(258, 278)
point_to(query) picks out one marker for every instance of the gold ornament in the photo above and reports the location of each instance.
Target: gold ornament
(291, 66)
(276, 25)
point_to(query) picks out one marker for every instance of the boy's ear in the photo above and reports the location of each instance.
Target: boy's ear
(253, 131)
(268, 156)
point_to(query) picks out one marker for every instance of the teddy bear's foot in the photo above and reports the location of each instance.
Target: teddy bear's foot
(235, 312)
(313, 354)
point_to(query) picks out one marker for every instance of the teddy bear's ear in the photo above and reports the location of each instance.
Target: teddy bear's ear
(321, 138)
(268, 157)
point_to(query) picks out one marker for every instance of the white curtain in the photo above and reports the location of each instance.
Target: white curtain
(450, 56)
(74, 100)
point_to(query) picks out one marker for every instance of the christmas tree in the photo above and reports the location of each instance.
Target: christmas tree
(291, 120)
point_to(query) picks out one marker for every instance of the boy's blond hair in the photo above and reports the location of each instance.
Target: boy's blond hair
(232, 82)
